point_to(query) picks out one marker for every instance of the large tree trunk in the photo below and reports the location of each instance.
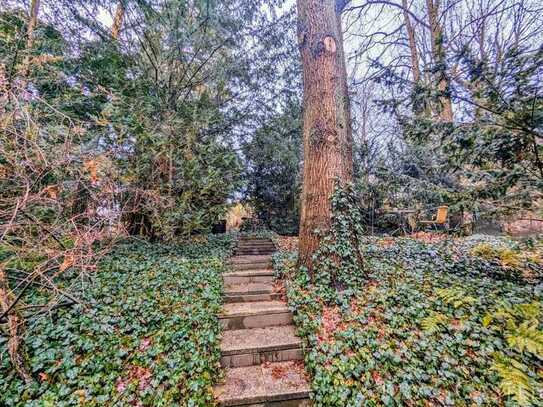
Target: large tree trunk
(327, 131)
(441, 77)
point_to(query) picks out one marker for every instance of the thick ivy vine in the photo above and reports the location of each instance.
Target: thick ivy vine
(339, 261)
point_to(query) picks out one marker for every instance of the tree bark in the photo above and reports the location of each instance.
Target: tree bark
(414, 54)
(327, 135)
(118, 20)
(420, 108)
(441, 77)
(32, 22)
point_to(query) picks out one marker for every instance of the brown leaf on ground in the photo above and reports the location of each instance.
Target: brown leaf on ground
(279, 288)
(429, 237)
(377, 378)
(386, 242)
(145, 344)
(51, 191)
(457, 324)
(331, 322)
(287, 243)
(279, 372)
(136, 374)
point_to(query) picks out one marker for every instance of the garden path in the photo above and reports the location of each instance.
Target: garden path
(259, 349)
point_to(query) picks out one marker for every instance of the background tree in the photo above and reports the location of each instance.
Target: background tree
(115, 126)
(274, 171)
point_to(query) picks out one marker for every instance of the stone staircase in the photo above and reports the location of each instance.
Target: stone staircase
(260, 352)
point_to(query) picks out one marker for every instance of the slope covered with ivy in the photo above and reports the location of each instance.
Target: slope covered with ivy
(145, 332)
(445, 322)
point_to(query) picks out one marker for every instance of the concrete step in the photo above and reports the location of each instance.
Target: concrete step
(257, 275)
(251, 347)
(261, 314)
(264, 385)
(257, 247)
(252, 266)
(262, 247)
(229, 299)
(253, 252)
(247, 259)
(250, 292)
(247, 262)
(255, 242)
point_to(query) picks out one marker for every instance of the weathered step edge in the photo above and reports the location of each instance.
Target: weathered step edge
(285, 403)
(257, 386)
(229, 299)
(294, 399)
(250, 259)
(250, 273)
(254, 252)
(260, 356)
(256, 320)
(250, 347)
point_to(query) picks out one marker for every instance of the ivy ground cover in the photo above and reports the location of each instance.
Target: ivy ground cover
(146, 333)
(452, 322)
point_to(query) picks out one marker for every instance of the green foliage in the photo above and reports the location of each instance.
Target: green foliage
(274, 179)
(412, 326)
(501, 145)
(339, 261)
(433, 321)
(146, 332)
(514, 381)
(455, 296)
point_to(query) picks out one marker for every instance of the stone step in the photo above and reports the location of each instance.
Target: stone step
(229, 299)
(251, 262)
(247, 259)
(250, 276)
(251, 347)
(280, 382)
(261, 314)
(252, 266)
(254, 252)
(270, 247)
(250, 292)
(259, 246)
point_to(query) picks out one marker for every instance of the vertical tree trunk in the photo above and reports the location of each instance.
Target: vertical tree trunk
(118, 20)
(414, 54)
(441, 78)
(32, 22)
(419, 107)
(327, 135)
